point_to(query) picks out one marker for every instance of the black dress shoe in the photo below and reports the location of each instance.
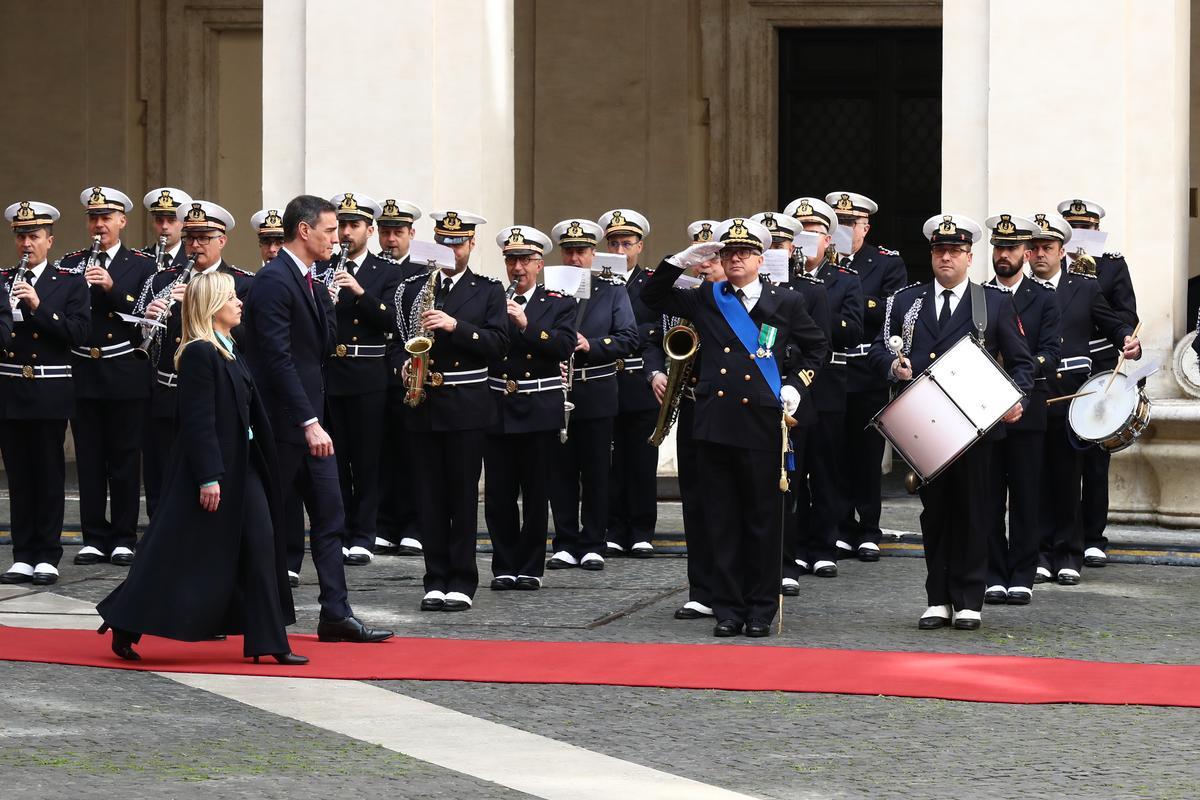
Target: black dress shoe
(931, 623)
(408, 550)
(1095, 561)
(432, 604)
(643, 553)
(455, 605)
(558, 563)
(294, 581)
(1067, 579)
(356, 560)
(15, 577)
(868, 554)
(87, 559)
(995, 597)
(1040, 578)
(788, 590)
(216, 637)
(289, 659)
(727, 627)
(757, 629)
(122, 642)
(684, 612)
(966, 624)
(1019, 598)
(503, 584)
(592, 566)
(827, 571)
(349, 630)
(528, 583)
(121, 559)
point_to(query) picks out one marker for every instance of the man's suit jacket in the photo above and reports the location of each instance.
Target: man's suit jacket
(289, 335)
(845, 298)
(634, 392)
(536, 352)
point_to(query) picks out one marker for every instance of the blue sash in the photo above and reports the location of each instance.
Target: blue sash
(738, 317)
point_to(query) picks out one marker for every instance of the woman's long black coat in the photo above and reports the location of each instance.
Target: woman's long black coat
(184, 582)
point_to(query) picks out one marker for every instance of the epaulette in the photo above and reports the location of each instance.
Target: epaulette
(387, 258)
(420, 276)
(615, 280)
(906, 288)
(1112, 255)
(554, 293)
(140, 253)
(998, 288)
(487, 278)
(808, 276)
(847, 269)
(72, 254)
(1087, 275)
(887, 252)
(1039, 282)
(238, 270)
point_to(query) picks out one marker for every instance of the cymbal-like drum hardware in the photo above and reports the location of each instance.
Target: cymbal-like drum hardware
(142, 351)
(680, 343)
(1083, 263)
(419, 345)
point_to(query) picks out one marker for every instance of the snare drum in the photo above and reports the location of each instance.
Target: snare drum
(1112, 420)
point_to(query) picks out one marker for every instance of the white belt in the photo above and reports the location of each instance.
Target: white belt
(858, 352)
(525, 387)
(360, 351)
(168, 379)
(1098, 345)
(837, 357)
(111, 351)
(1074, 363)
(628, 364)
(28, 371)
(456, 378)
(595, 373)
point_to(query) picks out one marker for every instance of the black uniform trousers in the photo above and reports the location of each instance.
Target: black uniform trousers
(1016, 475)
(797, 497)
(695, 536)
(1060, 535)
(819, 516)
(862, 473)
(397, 515)
(108, 445)
(356, 426)
(311, 483)
(954, 530)
(743, 511)
(37, 472)
(263, 626)
(633, 490)
(448, 507)
(581, 466)
(1094, 511)
(158, 438)
(515, 464)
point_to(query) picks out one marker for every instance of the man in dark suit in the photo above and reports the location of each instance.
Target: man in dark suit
(469, 329)
(112, 384)
(396, 525)
(931, 318)
(1112, 273)
(48, 315)
(761, 351)
(881, 272)
(633, 490)
(528, 388)
(581, 466)
(289, 334)
(205, 229)
(1016, 468)
(163, 204)
(1083, 309)
(357, 374)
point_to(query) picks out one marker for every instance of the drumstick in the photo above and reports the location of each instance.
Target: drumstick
(1121, 360)
(896, 345)
(1054, 400)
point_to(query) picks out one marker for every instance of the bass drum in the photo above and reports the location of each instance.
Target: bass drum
(1112, 420)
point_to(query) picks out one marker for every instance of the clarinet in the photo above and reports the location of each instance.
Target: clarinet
(338, 266)
(160, 253)
(18, 277)
(511, 291)
(143, 350)
(93, 259)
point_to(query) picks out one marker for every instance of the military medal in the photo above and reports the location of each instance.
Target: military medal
(766, 340)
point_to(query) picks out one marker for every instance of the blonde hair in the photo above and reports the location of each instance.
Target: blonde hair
(204, 298)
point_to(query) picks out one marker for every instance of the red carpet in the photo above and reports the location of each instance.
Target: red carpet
(993, 679)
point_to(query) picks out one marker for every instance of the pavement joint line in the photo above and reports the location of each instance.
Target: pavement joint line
(633, 609)
(523, 761)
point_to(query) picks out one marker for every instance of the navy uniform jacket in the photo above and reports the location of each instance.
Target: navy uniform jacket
(1037, 316)
(735, 405)
(1002, 339)
(123, 376)
(535, 353)
(843, 291)
(1112, 273)
(289, 334)
(366, 320)
(162, 398)
(816, 303)
(1082, 310)
(477, 302)
(180, 259)
(881, 272)
(396, 354)
(44, 338)
(612, 332)
(634, 386)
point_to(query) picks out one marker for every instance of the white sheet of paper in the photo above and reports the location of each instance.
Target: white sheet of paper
(843, 239)
(809, 243)
(775, 266)
(18, 316)
(615, 262)
(136, 320)
(1144, 368)
(1091, 242)
(423, 253)
(565, 279)
(688, 282)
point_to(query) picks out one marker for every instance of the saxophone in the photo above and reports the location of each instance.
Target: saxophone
(680, 342)
(418, 346)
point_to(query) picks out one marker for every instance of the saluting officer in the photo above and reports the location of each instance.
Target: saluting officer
(1112, 273)
(469, 327)
(633, 492)
(205, 230)
(1082, 309)
(824, 460)
(605, 331)
(881, 272)
(396, 529)
(163, 204)
(268, 226)
(931, 318)
(528, 386)
(48, 315)
(356, 376)
(1016, 469)
(112, 383)
(760, 347)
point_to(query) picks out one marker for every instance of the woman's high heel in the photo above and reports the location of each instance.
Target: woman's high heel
(289, 659)
(122, 642)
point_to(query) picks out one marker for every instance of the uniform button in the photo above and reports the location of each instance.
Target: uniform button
(431, 362)
(355, 322)
(177, 340)
(745, 401)
(505, 376)
(695, 380)
(33, 356)
(529, 356)
(108, 336)
(11, 354)
(746, 378)
(932, 356)
(35, 334)
(110, 315)
(1059, 375)
(726, 349)
(526, 374)
(720, 392)
(456, 363)
(723, 370)
(354, 338)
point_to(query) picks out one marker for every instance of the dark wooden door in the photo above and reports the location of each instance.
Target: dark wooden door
(860, 109)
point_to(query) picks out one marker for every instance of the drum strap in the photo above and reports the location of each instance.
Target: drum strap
(978, 311)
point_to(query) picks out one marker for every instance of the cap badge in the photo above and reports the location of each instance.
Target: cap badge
(1005, 226)
(705, 233)
(1040, 219)
(196, 214)
(1078, 207)
(947, 228)
(515, 237)
(273, 220)
(97, 198)
(575, 230)
(25, 213)
(165, 200)
(738, 230)
(805, 208)
(390, 209)
(617, 219)
(451, 222)
(844, 203)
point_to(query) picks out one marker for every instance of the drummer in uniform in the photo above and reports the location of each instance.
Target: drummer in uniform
(1082, 309)
(268, 226)
(1112, 273)
(1016, 469)
(163, 204)
(930, 318)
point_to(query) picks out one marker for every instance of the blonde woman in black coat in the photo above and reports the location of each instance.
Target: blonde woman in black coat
(212, 560)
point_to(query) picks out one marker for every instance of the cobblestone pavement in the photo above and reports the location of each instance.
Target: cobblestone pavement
(77, 733)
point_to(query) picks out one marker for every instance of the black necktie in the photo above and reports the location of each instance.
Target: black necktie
(740, 296)
(439, 297)
(944, 313)
(27, 275)
(102, 258)
(519, 300)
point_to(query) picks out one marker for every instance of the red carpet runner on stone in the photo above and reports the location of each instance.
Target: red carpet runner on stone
(994, 679)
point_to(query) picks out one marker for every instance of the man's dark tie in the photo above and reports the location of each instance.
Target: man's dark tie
(944, 313)
(519, 300)
(439, 297)
(27, 275)
(740, 295)
(309, 281)
(102, 259)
